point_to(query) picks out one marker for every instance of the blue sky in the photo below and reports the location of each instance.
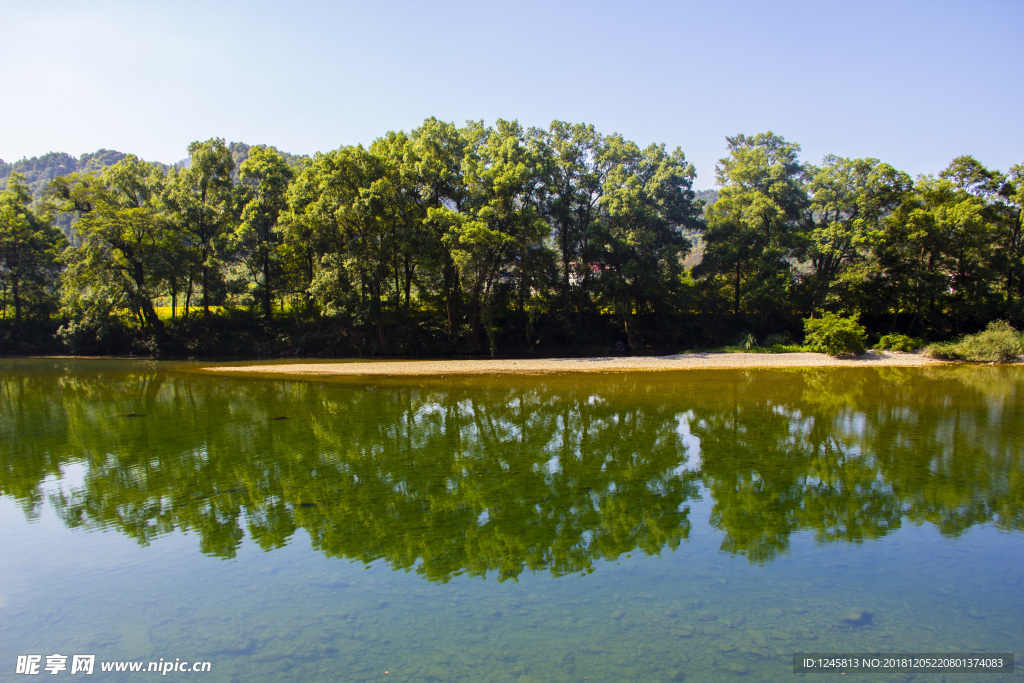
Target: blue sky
(912, 83)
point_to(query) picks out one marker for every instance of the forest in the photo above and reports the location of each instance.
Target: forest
(494, 240)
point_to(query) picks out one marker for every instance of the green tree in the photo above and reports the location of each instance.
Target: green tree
(1010, 230)
(573, 169)
(502, 224)
(339, 204)
(29, 248)
(850, 199)
(404, 213)
(647, 201)
(125, 246)
(200, 200)
(757, 227)
(937, 254)
(263, 184)
(438, 149)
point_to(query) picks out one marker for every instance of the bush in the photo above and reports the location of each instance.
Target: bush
(899, 342)
(778, 339)
(998, 343)
(835, 335)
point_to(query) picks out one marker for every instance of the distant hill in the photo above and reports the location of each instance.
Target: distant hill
(39, 171)
(709, 197)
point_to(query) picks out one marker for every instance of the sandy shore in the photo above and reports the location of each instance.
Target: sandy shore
(686, 361)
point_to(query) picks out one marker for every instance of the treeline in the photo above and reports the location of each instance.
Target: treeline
(500, 239)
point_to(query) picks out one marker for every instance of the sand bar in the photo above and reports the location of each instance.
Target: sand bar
(687, 361)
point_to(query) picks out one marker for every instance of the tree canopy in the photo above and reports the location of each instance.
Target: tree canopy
(501, 239)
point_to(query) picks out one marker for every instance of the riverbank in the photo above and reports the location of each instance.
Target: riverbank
(687, 361)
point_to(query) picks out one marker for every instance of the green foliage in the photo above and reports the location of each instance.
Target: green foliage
(463, 238)
(200, 200)
(850, 199)
(256, 240)
(899, 342)
(29, 248)
(125, 247)
(835, 335)
(998, 343)
(37, 172)
(756, 226)
(778, 339)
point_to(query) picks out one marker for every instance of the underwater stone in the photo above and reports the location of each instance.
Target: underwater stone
(858, 617)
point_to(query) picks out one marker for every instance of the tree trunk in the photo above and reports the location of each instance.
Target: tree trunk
(451, 294)
(378, 318)
(206, 289)
(629, 324)
(736, 297)
(268, 300)
(565, 270)
(150, 316)
(409, 269)
(145, 305)
(16, 293)
(474, 320)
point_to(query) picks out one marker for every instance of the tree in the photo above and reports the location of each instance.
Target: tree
(264, 178)
(125, 248)
(1010, 252)
(339, 203)
(502, 224)
(573, 169)
(401, 202)
(200, 199)
(29, 248)
(438, 149)
(938, 255)
(647, 200)
(850, 199)
(757, 227)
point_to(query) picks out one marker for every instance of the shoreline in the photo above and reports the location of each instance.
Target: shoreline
(544, 366)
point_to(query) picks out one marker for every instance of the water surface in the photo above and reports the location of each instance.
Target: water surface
(694, 526)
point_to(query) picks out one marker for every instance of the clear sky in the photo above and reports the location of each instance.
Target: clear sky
(911, 83)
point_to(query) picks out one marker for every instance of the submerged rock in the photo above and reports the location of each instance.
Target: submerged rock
(858, 617)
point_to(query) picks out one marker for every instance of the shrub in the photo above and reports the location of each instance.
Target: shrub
(778, 339)
(998, 343)
(899, 342)
(835, 335)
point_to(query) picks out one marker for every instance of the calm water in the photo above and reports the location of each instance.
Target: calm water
(697, 526)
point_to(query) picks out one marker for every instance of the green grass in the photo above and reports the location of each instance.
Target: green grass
(164, 312)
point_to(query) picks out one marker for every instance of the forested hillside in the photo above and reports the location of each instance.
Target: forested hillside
(39, 171)
(495, 239)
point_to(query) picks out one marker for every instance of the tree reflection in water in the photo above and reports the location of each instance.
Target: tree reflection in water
(501, 475)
